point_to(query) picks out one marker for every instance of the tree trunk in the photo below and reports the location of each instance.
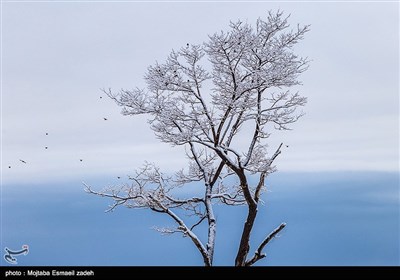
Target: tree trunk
(244, 246)
(212, 227)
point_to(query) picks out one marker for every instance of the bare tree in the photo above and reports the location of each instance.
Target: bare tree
(223, 116)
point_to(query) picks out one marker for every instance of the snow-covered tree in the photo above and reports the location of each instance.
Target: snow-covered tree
(221, 100)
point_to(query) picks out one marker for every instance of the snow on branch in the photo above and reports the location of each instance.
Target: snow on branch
(149, 189)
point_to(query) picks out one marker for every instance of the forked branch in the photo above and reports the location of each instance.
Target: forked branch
(258, 255)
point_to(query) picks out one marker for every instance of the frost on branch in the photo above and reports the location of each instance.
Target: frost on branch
(200, 98)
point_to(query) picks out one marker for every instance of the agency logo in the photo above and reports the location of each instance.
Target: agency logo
(9, 255)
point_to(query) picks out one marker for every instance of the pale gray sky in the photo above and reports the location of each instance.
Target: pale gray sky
(56, 57)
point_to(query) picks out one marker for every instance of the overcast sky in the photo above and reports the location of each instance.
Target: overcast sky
(57, 56)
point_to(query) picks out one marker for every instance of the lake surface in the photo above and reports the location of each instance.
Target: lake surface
(332, 219)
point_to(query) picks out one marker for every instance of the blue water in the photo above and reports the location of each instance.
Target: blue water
(332, 219)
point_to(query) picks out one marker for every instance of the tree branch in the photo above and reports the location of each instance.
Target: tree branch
(258, 255)
(259, 186)
(256, 129)
(276, 154)
(186, 230)
(199, 222)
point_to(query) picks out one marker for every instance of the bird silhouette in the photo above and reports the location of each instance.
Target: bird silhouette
(119, 177)
(105, 119)
(46, 147)
(80, 159)
(23, 161)
(101, 97)
(47, 133)
(9, 166)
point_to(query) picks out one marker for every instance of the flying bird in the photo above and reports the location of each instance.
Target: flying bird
(80, 159)
(46, 147)
(119, 177)
(23, 161)
(105, 119)
(101, 97)
(9, 166)
(47, 133)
